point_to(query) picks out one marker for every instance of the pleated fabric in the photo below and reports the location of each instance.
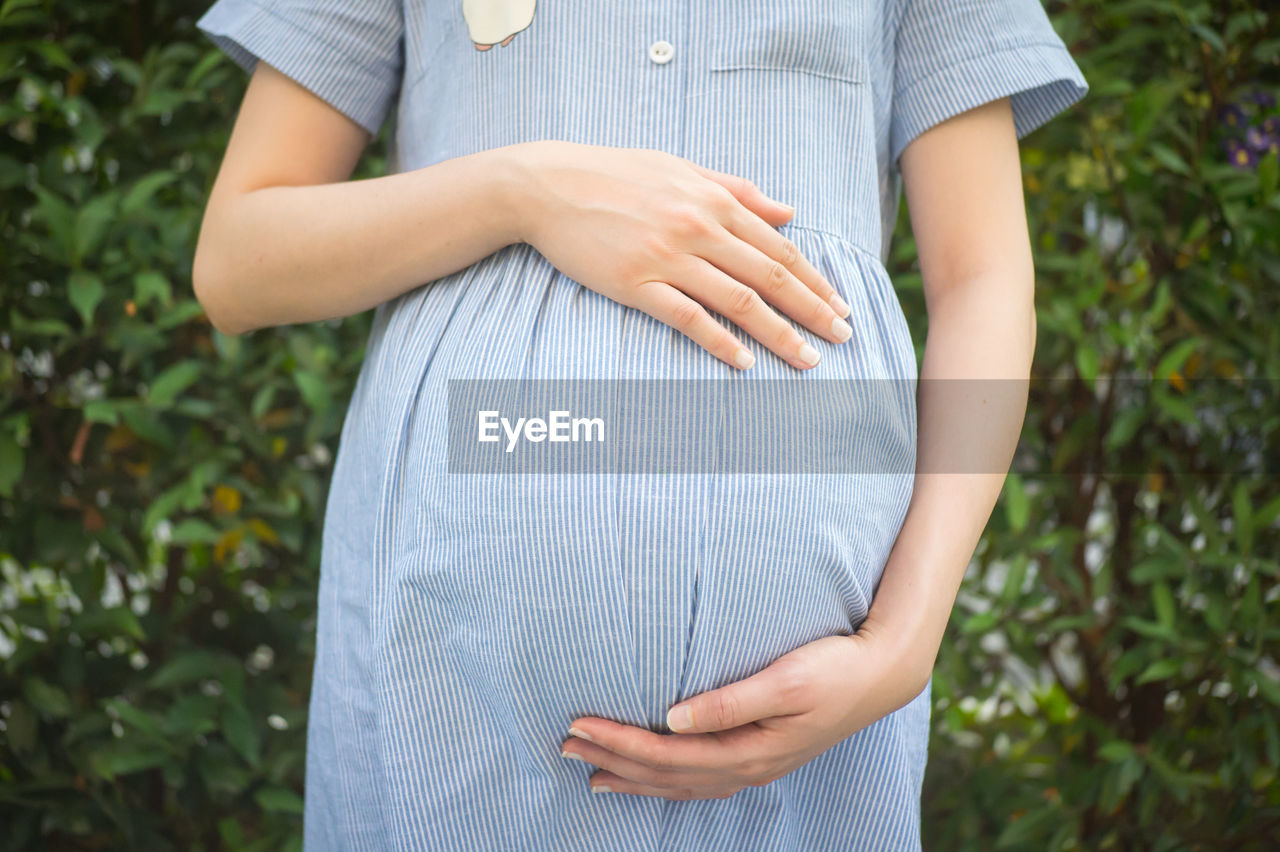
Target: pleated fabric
(466, 619)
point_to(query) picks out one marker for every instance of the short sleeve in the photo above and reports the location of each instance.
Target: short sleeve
(953, 55)
(349, 53)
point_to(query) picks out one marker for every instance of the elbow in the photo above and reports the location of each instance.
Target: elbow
(209, 286)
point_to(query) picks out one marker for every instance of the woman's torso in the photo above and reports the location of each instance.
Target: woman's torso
(531, 600)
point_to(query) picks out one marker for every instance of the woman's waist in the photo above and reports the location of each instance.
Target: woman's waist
(514, 315)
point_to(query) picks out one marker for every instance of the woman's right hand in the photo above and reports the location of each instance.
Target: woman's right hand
(656, 232)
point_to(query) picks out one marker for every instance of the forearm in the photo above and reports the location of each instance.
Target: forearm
(292, 254)
(971, 404)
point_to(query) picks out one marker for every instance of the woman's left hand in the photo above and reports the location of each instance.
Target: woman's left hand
(754, 731)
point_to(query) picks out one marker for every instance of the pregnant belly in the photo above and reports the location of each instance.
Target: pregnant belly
(619, 595)
(521, 602)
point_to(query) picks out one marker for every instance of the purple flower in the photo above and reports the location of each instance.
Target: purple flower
(1255, 139)
(1263, 98)
(1240, 156)
(1271, 124)
(1232, 116)
(1271, 144)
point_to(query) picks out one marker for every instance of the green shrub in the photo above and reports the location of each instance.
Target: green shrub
(1109, 678)
(161, 485)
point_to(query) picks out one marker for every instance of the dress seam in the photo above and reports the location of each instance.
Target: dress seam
(836, 236)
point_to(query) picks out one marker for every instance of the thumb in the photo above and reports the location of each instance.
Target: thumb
(757, 697)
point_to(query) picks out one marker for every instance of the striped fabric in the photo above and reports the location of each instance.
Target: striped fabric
(465, 620)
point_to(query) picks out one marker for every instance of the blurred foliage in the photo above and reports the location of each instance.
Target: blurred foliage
(1108, 680)
(161, 485)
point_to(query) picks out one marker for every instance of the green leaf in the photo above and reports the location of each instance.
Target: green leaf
(1163, 599)
(262, 400)
(1022, 833)
(1268, 176)
(979, 622)
(1216, 612)
(241, 732)
(22, 726)
(1169, 159)
(314, 390)
(160, 101)
(85, 291)
(55, 55)
(1158, 567)
(1148, 629)
(1242, 515)
(124, 757)
(194, 529)
(192, 715)
(1177, 779)
(38, 327)
(1268, 514)
(189, 666)
(1015, 578)
(60, 218)
(212, 59)
(1268, 686)
(11, 464)
(172, 382)
(1125, 425)
(12, 6)
(1210, 37)
(143, 722)
(1160, 670)
(1087, 362)
(12, 173)
(141, 192)
(1116, 751)
(92, 222)
(108, 623)
(1130, 771)
(46, 697)
(1016, 506)
(1176, 357)
(151, 285)
(279, 799)
(101, 411)
(181, 312)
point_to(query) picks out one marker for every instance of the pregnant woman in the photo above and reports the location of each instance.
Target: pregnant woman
(599, 190)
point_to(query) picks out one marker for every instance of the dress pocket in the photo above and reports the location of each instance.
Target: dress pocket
(787, 103)
(823, 43)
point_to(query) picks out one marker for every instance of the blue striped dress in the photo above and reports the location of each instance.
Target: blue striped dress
(466, 619)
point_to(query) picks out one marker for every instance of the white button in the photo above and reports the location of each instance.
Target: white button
(661, 51)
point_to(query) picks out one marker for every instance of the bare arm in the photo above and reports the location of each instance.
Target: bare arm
(288, 238)
(285, 232)
(963, 183)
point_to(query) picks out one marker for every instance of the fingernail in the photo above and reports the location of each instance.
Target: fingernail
(841, 329)
(840, 305)
(572, 756)
(807, 355)
(787, 207)
(744, 359)
(680, 718)
(600, 788)
(577, 733)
